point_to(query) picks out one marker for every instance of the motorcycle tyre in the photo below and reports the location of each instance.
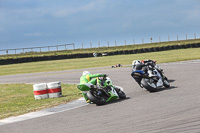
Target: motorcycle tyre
(96, 100)
(121, 94)
(166, 83)
(147, 86)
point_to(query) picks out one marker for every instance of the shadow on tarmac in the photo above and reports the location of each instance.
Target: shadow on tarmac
(164, 88)
(114, 101)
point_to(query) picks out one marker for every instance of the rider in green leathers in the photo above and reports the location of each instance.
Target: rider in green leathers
(87, 77)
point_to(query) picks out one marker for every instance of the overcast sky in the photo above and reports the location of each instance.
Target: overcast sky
(33, 23)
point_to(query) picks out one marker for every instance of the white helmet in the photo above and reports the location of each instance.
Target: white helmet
(136, 62)
(86, 73)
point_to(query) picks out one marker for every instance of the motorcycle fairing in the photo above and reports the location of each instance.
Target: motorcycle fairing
(137, 74)
(113, 95)
(85, 86)
(160, 82)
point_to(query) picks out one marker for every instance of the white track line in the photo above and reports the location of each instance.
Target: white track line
(64, 107)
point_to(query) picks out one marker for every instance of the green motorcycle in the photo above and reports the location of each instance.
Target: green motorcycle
(102, 92)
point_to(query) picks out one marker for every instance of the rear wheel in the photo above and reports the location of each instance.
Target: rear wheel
(149, 84)
(95, 98)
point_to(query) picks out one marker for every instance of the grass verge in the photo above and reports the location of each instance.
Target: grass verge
(17, 99)
(68, 64)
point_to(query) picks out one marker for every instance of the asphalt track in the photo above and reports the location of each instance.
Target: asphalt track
(172, 110)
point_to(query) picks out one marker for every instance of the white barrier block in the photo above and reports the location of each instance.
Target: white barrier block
(54, 89)
(40, 91)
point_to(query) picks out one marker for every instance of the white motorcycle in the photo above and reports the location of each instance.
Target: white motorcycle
(152, 80)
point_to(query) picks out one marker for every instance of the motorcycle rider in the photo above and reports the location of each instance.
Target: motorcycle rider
(138, 65)
(149, 62)
(150, 70)
(143, 65)
(153, 65)
(87, 77)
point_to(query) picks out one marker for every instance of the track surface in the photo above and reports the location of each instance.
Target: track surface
(170, 110)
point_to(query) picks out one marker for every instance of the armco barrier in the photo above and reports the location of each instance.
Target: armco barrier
(86, 55)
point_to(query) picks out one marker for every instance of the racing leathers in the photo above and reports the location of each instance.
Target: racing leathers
(90, 78)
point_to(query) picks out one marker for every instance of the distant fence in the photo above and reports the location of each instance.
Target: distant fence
(98, 45)
(37, 49)
(144, 40)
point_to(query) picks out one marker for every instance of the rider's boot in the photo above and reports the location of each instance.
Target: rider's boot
(86, 99)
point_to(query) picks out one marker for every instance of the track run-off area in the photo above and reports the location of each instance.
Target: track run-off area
(172, 110)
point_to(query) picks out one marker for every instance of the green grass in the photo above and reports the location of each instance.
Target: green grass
(17, 99)
(67, 64)
(100, 50)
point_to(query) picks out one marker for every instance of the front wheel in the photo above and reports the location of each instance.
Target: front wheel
(166, 83)
(149, 84)
(97, 99)
(120, 92)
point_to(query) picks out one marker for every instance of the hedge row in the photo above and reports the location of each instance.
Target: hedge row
(85, 55)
